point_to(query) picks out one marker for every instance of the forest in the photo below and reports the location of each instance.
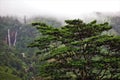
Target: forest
(41, 48)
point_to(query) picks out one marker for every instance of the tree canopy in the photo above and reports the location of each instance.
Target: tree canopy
(78, 51)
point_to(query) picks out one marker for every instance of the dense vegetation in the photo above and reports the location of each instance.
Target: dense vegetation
(78, 51)
(18, 62)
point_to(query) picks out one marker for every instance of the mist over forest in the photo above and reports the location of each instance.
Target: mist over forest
(52, 40)
(19, 62)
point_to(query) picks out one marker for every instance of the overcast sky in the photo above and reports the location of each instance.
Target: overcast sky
(59, 8)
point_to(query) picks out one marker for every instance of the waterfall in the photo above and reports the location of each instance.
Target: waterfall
(9, 40)
(15, 38)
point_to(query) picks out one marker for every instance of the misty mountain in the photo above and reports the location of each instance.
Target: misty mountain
(15, 57)
(15, 35)
(112, 18)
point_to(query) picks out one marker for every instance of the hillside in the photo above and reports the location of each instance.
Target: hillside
(19, 62)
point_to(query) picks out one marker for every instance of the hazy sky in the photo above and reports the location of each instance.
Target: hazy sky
(61, 8)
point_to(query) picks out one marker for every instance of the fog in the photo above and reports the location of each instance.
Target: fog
(57, 8)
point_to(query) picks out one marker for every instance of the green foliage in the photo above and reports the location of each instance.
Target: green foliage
(6, 76)
(11, 65)
(19, 60)
(8, 73)
(80, 49)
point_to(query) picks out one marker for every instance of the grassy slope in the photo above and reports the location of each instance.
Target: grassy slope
(7, 75)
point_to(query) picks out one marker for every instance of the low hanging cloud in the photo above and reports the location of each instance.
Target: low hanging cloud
(58, 8)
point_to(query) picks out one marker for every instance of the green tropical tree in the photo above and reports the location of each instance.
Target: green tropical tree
(78, 51)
